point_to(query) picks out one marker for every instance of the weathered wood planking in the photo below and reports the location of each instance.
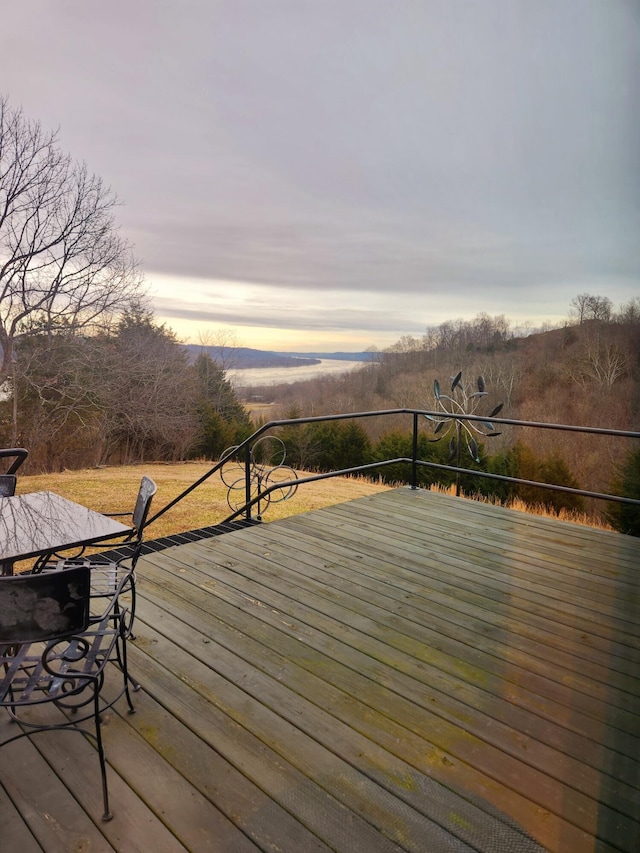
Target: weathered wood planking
(408, 671)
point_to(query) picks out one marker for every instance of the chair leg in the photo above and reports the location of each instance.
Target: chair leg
(107, 815)
(135, 684)
(121, 654)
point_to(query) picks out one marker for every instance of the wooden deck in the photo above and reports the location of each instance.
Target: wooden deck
(404, 672)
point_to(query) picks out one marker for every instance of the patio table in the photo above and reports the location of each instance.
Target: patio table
(42, 523)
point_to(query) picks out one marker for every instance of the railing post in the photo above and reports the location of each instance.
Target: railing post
(458, 455)
(414, 456)
(247, 481)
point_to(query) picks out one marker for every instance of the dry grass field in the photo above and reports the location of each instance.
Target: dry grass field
(571, 515)
(115, 489)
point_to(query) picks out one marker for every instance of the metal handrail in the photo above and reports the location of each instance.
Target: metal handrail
(244, 449)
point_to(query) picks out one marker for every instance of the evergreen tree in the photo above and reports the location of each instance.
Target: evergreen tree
(353, 445)
(398, 444)
(222, 418)
(555, 470)
(522, 462)
(624, 517)
(338, 444)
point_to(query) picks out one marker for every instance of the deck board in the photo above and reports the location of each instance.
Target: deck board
(485, 727)
(370, 636)
(404, 672)
(310, 692)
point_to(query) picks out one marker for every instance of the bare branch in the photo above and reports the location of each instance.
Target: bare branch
(62, 262)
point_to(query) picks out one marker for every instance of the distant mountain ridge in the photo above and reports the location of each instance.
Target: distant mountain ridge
(242, 358)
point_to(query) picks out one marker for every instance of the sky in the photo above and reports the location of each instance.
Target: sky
(336, 174)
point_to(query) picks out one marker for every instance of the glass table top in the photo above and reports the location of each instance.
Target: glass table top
(42, 522)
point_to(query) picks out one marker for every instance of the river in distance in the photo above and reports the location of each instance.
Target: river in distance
(267, 376)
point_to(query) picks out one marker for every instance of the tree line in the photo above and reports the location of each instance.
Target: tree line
(122, 395)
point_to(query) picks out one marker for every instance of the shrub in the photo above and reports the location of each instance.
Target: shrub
(521, 461)
(626, 483)
(397, 444)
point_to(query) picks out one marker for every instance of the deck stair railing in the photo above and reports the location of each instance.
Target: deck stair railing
(260, 482)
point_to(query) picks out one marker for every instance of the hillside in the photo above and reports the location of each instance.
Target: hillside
(241, 358)
(586, 374)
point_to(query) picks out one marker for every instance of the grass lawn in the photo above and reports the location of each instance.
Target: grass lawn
(115, 489)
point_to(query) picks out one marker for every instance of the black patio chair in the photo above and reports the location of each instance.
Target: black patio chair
(53, 654)
(18, 454)
(107, 575)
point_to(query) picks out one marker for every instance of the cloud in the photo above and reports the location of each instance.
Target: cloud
(229, 303)
(293, 319)
(402, 160)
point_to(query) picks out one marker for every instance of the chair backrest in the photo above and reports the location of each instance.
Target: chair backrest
(7, 490)
(45, 606)
(7, 485)
(141, 510)
(18, 454)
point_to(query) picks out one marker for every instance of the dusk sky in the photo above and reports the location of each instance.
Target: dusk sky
(334, 174)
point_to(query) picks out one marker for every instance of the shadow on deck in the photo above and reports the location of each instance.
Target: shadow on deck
(407, 671)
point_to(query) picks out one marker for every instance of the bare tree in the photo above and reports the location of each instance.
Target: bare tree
(629, 313)
(63, 264)
(600, 308)
(407, 343)
(59, 375)
(586, 306)
(604, 359)
(579, 305)
(146, 393)
(222, 347)
(503, 373)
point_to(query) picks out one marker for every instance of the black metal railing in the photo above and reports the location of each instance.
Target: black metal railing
(259, 484)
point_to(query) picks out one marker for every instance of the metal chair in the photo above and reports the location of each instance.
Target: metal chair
(107, 575)
(53, 654)
(18, 454)
(8, 485)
